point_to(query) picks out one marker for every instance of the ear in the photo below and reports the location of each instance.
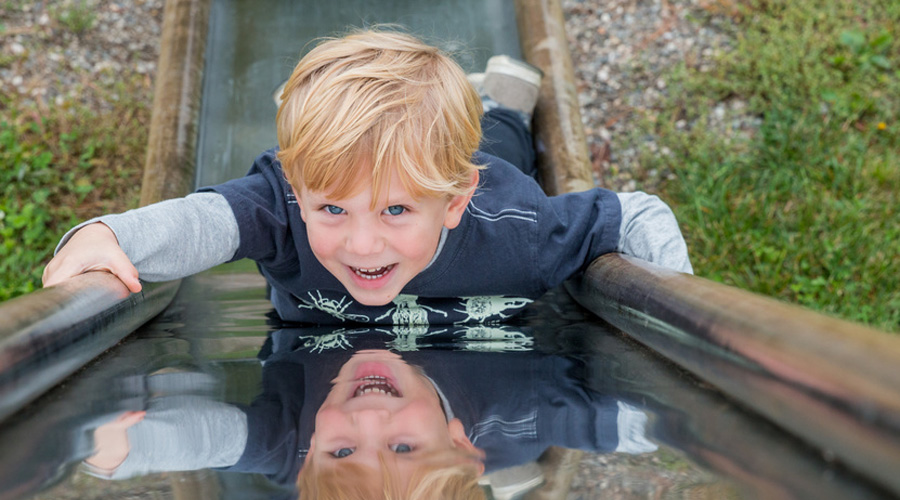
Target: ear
(460, 440)
(458, 204)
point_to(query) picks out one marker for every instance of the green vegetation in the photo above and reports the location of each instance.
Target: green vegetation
(804, 205)
(60, 165)
(77, 16)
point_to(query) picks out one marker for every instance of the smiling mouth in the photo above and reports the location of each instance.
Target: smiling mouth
(372, 273)
(376, 385)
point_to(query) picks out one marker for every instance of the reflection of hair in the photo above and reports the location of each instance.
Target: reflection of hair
(447, 475)
(378, 102)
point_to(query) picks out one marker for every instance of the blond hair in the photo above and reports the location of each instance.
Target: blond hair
(375, 103)
(449, 475)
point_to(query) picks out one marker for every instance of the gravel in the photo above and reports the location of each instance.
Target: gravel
(622, 50)
(44, 60)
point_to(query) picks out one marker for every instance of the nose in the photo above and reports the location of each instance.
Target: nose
(371, 418)
(364, 238)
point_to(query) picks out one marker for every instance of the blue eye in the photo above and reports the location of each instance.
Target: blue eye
(395, 209)
(333, 210)
(401, 448)
(343, 452)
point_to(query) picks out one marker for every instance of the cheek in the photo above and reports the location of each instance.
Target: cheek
(322, 241)
(328, 421)
(419, 242)
(426, 414)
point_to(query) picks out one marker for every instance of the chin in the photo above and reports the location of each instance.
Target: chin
(374, 299)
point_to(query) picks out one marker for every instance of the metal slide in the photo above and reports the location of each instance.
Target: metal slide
(737, 396)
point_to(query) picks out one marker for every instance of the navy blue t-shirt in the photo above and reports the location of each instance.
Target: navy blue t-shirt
(512, 245)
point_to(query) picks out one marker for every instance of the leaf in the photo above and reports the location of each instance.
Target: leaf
(853, 39)
(881, 42)
(881, 61)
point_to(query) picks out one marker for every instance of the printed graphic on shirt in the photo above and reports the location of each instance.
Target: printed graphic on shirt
(332, 307)
(508, 213)
(406, 311)
(489, 307)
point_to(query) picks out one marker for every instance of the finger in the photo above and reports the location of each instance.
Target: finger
(54, 274)
(130, 418)
(128, 274)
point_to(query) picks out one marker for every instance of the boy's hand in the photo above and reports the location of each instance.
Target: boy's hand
(111, 445)
(92, 248)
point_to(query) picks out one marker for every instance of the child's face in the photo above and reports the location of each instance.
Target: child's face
(381, 405)
(375, 252)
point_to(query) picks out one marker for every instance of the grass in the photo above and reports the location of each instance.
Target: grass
(803, 206)
(77, 16)
(60, 165)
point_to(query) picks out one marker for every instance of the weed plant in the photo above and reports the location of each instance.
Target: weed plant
(803, 205)
(77, 17)
(61, 165)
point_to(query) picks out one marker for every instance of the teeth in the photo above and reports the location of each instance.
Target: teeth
(372, 273)
(375, 384)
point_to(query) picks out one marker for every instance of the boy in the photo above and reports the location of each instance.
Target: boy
(377, 206)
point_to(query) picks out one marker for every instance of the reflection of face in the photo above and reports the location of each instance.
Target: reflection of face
(375, 252)
(381, 405)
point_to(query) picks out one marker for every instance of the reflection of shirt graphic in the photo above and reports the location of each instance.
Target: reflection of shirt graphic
(513, 405)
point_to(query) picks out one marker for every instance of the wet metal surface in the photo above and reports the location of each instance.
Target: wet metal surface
(564, 383)
(49, 334)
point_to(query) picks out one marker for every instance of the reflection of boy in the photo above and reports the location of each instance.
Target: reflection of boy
(511, 406)
(377, 208)
(382, 428)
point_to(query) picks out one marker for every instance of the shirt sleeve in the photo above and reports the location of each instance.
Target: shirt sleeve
(174, 238)
(576, 228)
(649, 231)
(266, 213)
(183, 433)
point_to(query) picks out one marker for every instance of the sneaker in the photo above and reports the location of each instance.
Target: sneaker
(512, 83)
(477, 81)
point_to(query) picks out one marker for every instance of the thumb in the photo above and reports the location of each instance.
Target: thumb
(127, 273)
(130, 418)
